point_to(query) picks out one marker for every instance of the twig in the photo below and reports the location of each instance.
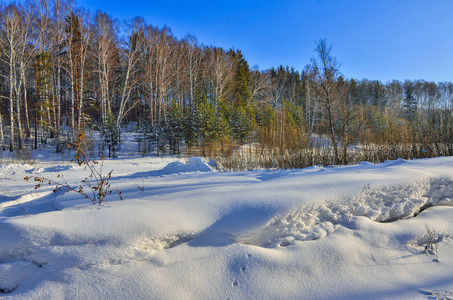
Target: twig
(141, 188)
(431, 242)
(23, 208)
(442, 295)
(98, 184)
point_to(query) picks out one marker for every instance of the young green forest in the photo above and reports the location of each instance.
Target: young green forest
(65, 71)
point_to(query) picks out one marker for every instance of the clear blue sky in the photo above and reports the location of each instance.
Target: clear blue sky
(373, 39)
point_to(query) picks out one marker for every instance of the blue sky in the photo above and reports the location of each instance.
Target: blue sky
(373, 39)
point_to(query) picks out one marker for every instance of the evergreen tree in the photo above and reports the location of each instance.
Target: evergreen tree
(242, 123)
(174, 128)
(241, 93)
(191, 125)
(410, 103)
(111, 135)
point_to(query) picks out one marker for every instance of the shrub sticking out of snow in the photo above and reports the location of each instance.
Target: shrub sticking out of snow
(95, 187)
(431, 242)
(215, 164)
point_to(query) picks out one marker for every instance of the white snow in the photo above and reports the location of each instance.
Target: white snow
(187, 231)
(195, 164)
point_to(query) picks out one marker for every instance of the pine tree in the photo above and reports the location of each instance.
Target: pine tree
(174, 127)
(241, 93)
(111, 135)
(191, 125)
(242, 123)
(410, 103)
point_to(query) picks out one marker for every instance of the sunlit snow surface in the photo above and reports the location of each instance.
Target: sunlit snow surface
(188, 231)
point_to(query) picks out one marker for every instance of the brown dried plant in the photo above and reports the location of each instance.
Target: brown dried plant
(431, 242)
(95, 187)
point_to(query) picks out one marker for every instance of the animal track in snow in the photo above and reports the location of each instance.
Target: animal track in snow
(165, 242)
(387, 204)
(15, 266)
(19, 254)
(140, 250)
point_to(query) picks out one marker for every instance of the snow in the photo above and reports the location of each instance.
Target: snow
(195, 164)
(187, 231)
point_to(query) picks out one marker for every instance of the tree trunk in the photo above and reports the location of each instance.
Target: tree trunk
(27, 117)
(11, 102)
(332, 136)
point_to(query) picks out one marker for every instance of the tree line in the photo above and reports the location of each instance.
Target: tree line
(65, 70)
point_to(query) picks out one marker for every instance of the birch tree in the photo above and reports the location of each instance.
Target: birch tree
(43, 104)
(85, 32)
(105, 52)
(25, 57)
(193, 62)
(131, 58)
(10, 20)
(329, 89)
(223, 72)
(61, 9)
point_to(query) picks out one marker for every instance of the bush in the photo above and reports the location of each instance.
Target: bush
(97, 184)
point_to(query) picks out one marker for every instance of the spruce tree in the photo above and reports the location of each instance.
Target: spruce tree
(174, 128)
(410, 103)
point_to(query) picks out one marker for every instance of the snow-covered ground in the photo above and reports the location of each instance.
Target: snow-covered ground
(186, 231)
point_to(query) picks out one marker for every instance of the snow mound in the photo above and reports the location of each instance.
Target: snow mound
(57, 168)
(195, 164)
(397, 162)
(13, 168)
(385, 204)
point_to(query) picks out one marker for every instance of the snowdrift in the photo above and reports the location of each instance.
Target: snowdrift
(185, 231)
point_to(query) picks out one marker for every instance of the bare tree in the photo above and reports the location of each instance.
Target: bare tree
(165, 64)
(43, 103)
(223, 72)
(72, 49)
(10, 21)
(394, 92)
(105, 52)
(311, 105)
(259, 86)
(193, 62)
(132, 56)
(151, 72)
(61, 9)
(25, 58)
(329, 89)
(86, 32)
